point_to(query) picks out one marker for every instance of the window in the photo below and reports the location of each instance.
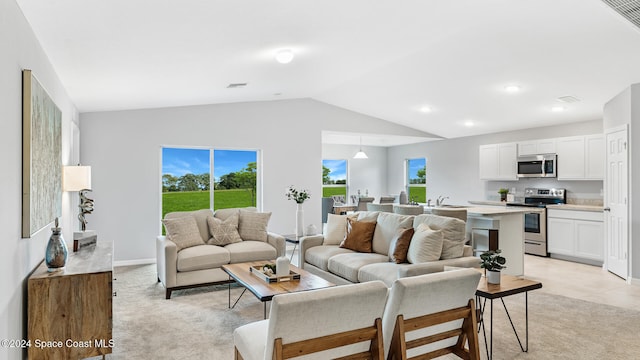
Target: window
(334, 178)
(416, 180)
(187, 179)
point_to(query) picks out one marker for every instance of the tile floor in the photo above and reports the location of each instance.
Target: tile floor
(570, 279)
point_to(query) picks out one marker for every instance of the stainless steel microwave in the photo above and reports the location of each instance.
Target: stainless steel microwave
(544, 165)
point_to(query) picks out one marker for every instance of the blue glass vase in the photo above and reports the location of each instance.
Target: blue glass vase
(56, 253)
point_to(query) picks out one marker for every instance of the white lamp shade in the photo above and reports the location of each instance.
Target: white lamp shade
(76, 178)
(360, 155)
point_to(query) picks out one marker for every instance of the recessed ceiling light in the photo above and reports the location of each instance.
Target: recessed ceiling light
(284, 56)
(468, 123)
(558, 108)
(512, 88)
(426, 109)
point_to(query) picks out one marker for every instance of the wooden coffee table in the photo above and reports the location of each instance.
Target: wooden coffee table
(265, 291)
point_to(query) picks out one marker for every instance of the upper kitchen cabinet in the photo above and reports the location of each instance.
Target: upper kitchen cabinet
(580, 157)
(498, 161)
(535, 147)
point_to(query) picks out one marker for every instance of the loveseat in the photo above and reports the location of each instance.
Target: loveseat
(199, 242)
(323, 255)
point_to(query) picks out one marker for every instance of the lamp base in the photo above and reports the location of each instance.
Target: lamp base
(83, 239)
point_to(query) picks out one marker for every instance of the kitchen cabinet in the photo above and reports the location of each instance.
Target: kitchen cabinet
(578, 235)
(580, 157)
(535, 147)
(498, 161)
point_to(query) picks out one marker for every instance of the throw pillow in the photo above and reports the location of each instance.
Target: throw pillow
(399, 245)
(359, 236)
(253, 225)
(336, 229)
(426, 245)
(223, 232)
(183, 231)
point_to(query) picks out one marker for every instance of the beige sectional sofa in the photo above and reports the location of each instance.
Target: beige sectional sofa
(343, 266)
(200, 264)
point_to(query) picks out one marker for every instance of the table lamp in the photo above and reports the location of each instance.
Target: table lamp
(78, 178)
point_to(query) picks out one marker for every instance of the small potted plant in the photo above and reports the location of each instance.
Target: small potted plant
(492, 262)
(503, 194)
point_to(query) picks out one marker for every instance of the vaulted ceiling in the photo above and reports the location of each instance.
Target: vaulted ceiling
(387, 59)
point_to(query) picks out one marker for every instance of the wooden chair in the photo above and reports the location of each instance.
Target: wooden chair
(335, 321)
(363, 201)
(387, 199)
(418, 304)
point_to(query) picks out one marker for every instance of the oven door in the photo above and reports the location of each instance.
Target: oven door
(534, 226)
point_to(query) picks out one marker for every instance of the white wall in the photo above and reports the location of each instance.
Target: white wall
(452, 165)
(123, 148)
(21, 50)
(363, 174)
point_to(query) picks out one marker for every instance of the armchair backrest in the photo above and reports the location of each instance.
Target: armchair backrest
(319, 313)
(417, 296)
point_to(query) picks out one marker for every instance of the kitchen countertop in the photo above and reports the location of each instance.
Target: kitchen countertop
(576, 207)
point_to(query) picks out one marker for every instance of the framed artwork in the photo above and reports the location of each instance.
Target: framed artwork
(41, 157)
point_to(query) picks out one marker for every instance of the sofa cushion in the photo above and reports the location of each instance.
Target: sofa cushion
(426, 245)
(453, 231)
(370, 216)
(387, 226)
(223, 232)
(223, 214)
(253, 225)
(202, 257)
(201, 220)
(250, 250)
(399, 245)
(359, 236)
(336, 229)
(319, 256)
(347, 265)
(183, 231)
(386, 272)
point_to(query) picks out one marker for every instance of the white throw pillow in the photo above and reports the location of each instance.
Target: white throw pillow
(336, 229)
(183, 231)
(426, 245)
(223, 232)
(253, 225)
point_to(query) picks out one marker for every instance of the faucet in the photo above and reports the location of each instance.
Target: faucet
(440, 200)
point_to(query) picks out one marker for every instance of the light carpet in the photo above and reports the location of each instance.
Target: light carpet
(197, 323)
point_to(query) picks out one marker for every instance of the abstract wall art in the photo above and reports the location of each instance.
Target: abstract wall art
(41, 157)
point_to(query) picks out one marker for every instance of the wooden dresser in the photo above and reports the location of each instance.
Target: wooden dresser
(70, 311)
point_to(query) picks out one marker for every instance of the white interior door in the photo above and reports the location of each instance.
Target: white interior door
(616, 202)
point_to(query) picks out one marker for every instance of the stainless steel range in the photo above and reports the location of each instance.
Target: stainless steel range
(535, 222)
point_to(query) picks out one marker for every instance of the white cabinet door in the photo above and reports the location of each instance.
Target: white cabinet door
(594, 157)
(571, 158)
(547, 146)
(488, 162)
(528, 148)
(560, 236)
(589, 239)
(507, 161)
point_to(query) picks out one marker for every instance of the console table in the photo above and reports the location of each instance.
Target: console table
(70, 311)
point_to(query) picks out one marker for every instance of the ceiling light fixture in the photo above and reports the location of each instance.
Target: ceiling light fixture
(512, 88)
(360, 154)
(558, 108)
(284, 56)
(426, 109)
(468, 123)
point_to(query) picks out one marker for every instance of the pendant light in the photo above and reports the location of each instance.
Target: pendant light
(360, 154)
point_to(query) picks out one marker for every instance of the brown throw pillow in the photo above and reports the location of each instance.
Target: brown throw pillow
(400, 245)
(359, 236)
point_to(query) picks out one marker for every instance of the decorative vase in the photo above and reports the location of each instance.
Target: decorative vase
(403, 198)
(300, 220)
(493, 277)
(56, 253)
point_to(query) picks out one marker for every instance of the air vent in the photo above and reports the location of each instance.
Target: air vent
(568, 99)
(629, 9)
(236, 85)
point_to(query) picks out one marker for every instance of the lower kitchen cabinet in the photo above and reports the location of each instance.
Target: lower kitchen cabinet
(576, 235)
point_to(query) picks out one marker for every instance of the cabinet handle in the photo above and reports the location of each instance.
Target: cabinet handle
(115, 293)
(607, 209)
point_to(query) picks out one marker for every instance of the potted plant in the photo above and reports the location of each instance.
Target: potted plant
(492, 262)
(503, 194)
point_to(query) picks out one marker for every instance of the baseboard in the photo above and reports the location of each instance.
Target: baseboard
(634, 281)
(134, 262)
